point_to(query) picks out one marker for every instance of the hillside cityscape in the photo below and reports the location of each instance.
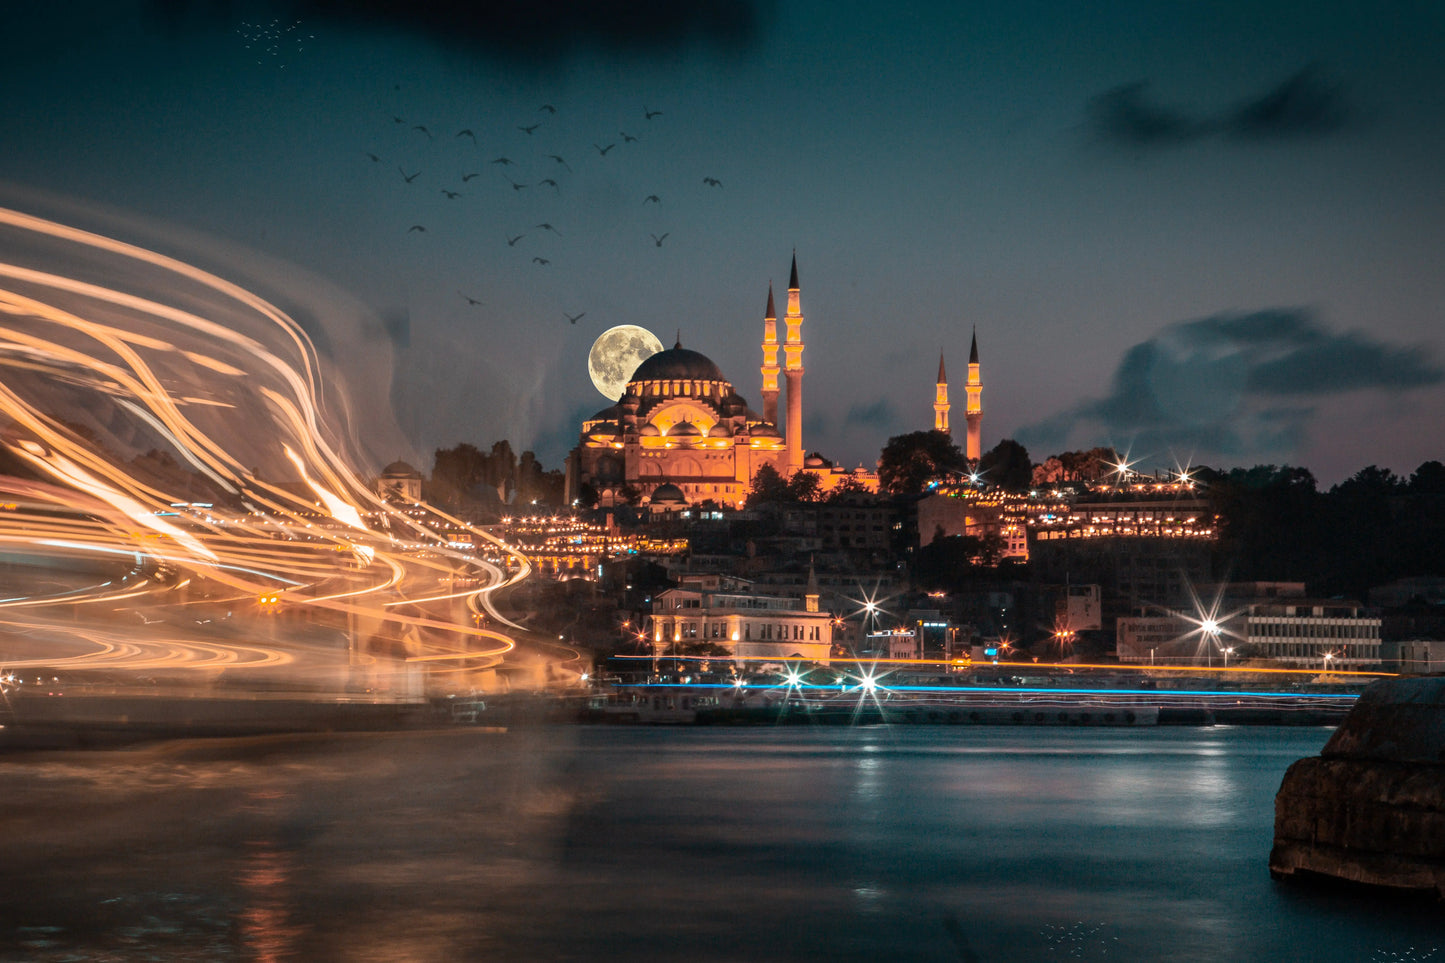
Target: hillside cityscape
(1076, 556)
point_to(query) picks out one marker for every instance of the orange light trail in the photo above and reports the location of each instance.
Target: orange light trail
(136, 381)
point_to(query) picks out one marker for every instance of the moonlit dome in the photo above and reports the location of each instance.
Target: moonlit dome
(678, 364)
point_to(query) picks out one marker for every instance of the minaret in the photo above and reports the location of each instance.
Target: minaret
(940, 399)
(974, 388)
(770, 362)
(793, 369)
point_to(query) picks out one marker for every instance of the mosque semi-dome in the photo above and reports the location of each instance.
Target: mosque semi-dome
(668, 493)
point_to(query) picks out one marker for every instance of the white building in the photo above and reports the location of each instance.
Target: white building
(1309, 633)
(726, 612)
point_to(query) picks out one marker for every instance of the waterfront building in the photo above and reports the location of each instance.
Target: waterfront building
(728, 613)
(1287, 628)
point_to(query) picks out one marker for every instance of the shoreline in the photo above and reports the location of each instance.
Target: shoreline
(105, 722)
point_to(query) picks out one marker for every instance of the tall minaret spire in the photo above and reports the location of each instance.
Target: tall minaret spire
(793, 370)
(940, 400)
(770, 361)
(974, 388)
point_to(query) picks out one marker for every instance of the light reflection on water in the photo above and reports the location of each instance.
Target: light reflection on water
(985, 844)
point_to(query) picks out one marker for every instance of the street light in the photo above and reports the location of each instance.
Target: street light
(1210, 628)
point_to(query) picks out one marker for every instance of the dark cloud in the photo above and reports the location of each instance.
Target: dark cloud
(1124, 116)
(1214, 386)
(879, 414)
(1304, 105)
(509, 29)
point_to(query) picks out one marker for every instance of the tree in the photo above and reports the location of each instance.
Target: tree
(1092, 465)
(1007, 465)
(909, 462)
(805, 486)
(455, 471)
(848, 486)
(768, 487)
(1428, 479)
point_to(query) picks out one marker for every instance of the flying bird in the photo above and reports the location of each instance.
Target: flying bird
(528, 130)
(512, 241)
(559, 160)
(397, 120)
(502, 160)
(467, 177)
(516, 186)
(408, 177)
(603, 150)
(712, 182)
(549, 182)
(548, 108)
(471, 300)
(652, 199)
(626, 137)
(424, 131)
(467, 133)
(659, 240)
(540, 260)
(451, 195)
(573, 319)
(373, 157)
(416, 227)
(548, 227)
(649, 114)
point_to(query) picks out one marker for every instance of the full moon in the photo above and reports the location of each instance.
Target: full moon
(616, 354)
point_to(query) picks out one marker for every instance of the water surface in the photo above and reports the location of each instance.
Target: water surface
(911, 843)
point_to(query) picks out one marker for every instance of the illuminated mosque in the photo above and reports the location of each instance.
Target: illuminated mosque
(680, 435)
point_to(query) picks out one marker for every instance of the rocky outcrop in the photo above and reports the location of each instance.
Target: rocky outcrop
(1371, 807)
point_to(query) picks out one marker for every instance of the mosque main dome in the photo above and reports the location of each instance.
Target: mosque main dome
(678, 364)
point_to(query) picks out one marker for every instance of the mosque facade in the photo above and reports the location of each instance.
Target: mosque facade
(681, 435)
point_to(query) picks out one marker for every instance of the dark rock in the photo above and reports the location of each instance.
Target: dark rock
(1371, 807)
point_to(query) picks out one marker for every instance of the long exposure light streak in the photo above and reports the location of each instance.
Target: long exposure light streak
(168, 463)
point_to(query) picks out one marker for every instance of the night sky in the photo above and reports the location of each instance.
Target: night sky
(1204, 233)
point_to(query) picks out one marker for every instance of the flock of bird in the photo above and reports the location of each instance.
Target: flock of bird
(457, 166)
